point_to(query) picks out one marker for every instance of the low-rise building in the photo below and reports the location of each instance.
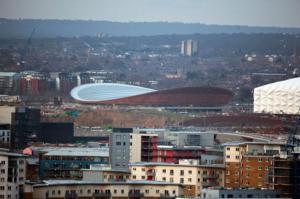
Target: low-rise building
(189, 173)
(240, 193)
(104, 174)
(61, 189)
(67, 162)
(12, 174)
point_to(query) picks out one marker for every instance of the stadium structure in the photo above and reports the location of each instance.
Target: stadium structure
(122, 94)
(281, 97)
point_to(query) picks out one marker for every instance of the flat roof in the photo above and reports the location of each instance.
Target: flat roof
(8, 153)
(176, 165)
(78, 151)
(46, 183)
(238, 143)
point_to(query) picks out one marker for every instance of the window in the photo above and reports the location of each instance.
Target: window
(227, 156)
(58, 192)
(2, 188)
(2, 170)
(182, 172)
(190, 172)
(115, 191)
(190, 179)
(164, 179)
(237, 149)
(147, 191)
(133, 177)
(260, 175)
(164, 171)
(118, 143)
(181, 180)
(88, 191)
(228, 149)
(143, 169)
(157, 191)
(260, 168)
(267, 168)
(122, 191)
(174, 192)
(171, 172)
(171, 179)
(143, 177)
(237, 157)
(259, 159)
(53, 192)
(134, 168)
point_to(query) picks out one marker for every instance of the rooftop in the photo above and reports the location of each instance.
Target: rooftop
(239, 143)
(77, 151)
(175, 165)
(82, 182)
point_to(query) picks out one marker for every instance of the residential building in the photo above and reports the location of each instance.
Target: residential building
(6, 113)
(8, 83)
(5, 136)
(12, 174)
(203, 154)
(240, 193)
(25, 126)
(99, 173)
(67, 162)
(32, 83)
(285, 174)
(248, 163)
(61, 189)
(189, 47)
(189, 173)
(128, 146)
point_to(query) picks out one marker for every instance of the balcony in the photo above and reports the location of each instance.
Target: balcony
(71, 195)
(210, 176)
(209, 184)
(166, 196)
(135, 194)
(102, 195)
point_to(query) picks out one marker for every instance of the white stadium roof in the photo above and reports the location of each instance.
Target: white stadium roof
(281, 97)
(106, 91)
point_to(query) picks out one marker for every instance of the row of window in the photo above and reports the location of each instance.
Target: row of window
(107, 191)
(171, 172)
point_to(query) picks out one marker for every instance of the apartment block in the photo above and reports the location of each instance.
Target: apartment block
(67, 162)
(189, 173)
(5, 137)
(248, 163)
(61, 189)
(285, 174)
(12, 174)
(128, 146)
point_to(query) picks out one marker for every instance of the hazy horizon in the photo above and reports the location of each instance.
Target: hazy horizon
(260, 13)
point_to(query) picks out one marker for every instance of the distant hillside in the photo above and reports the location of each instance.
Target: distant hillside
(70, 28)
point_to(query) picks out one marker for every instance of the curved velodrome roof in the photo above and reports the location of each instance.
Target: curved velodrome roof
(118, 94)
(106, 91)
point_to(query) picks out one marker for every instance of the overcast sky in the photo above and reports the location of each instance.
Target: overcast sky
(284, 13)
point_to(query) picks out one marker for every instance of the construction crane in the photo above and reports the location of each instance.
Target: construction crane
(25, 49)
